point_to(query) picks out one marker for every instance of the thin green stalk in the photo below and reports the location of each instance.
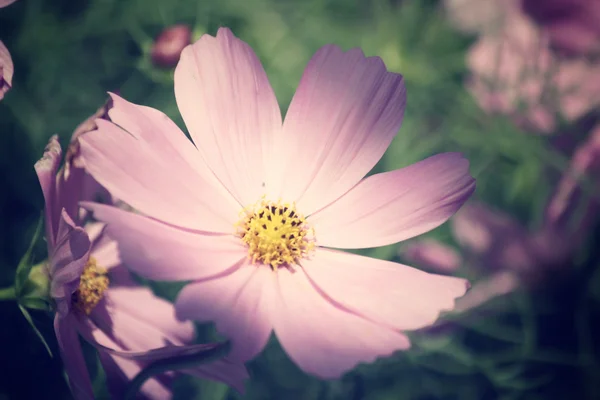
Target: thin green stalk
(8, 293)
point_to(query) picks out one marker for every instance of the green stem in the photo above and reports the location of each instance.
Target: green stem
(8, 293)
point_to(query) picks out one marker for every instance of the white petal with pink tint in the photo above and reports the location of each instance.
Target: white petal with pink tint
(346, 111)
(230, 110)
(393, 206)
(392, 294)
(162, 252)
(325, 339)
(133, 171)
(238, 303)
(176, 150)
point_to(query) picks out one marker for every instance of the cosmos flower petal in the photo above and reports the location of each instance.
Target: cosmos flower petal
(239, 305)
(346, 111)
(46, 169)
(325, 339)
(176, 150)
(405, 298)
(4, 3)
(229, 109)
(133, 310)
(120, 371)
(131, 170)
(162, 252)
(72, 356)
(106, 252)
(6, 70)
(68, 258)
(398, 205)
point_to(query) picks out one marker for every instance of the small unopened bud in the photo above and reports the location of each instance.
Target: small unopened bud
(168, 45)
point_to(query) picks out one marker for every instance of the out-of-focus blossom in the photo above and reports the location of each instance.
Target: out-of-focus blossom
(515, 73)
(6, 70)
(250, 214)
(478, 16)
(572, 25)
(167, 47)
(569, 197)
(95, 296)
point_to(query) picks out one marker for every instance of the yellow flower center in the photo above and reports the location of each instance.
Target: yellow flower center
(276, 234)
(92, 284)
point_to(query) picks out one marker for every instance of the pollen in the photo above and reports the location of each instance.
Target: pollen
(276, 235)
(92, 284)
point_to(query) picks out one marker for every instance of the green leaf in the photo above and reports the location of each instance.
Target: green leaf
(35, 303)
(25, 264)
(204, 355)
(37, 332)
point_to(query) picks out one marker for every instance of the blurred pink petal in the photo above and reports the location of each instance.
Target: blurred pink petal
(46, 169)
(230, 109)
(151, 187)
(324, 338)
(72, 356)
(431, 254)
(238, 303)
(344, 114)
(348, 280)
(147, 245)
(420, 197)
(568, 197)
(498, 284)
(497, 239)
(477, 16)
(4, 3)
(6, 70)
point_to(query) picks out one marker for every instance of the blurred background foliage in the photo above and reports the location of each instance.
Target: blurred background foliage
(534, 340)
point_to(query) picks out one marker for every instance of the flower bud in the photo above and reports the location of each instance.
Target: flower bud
(168, 45)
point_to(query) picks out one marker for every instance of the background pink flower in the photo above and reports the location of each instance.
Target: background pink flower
(294, 189)
(96, 297)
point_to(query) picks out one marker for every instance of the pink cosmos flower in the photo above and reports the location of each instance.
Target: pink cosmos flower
(252, 213)
(96, 298)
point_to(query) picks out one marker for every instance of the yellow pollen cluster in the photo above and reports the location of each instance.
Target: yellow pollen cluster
(92, 284)
(275, 234)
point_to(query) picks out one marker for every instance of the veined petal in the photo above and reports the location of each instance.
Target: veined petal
(230, 110)
(68, 258)
(160, 132)
(72, 356)
(46, 169)
(324, 339)
(396, 295)
(134, 171)
(238, 303)
(162, 252)
(133, 310)
(346, 111)
(393, 206)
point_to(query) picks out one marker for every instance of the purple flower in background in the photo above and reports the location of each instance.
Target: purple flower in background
(573, 26)
(167, 47)
(250, 213)
(515, 73)
(96, 297)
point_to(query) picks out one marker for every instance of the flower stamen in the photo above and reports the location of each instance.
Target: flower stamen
(92, 284)
(275, 234)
